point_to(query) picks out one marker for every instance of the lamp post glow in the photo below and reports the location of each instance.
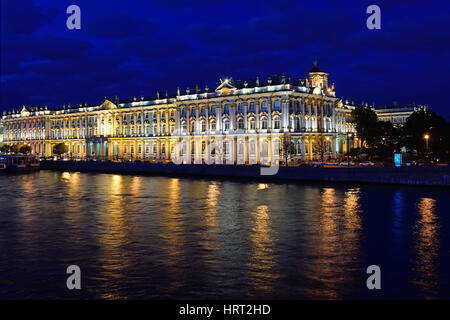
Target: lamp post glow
(348, 149)
(327, 146)
(426, 137)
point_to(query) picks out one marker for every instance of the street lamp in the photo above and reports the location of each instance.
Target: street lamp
(349, 135)
(327, 146)
(426, 136)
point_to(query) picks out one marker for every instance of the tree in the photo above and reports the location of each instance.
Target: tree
(365, 120)
(5, 148)
(287, 148)
(378, 138)
(25, 149)
(422, 122)
(60, 149)
(320, 146)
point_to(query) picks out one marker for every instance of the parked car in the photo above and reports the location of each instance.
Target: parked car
(345, 163)
(366, 163)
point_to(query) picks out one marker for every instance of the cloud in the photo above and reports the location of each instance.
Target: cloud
(24, 18)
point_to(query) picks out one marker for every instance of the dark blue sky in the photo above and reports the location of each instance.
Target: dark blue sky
(133, 48)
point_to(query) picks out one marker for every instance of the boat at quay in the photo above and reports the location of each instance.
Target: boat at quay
(19, 163)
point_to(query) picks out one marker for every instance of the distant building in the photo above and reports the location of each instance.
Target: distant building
(238, 122)
(397, 115)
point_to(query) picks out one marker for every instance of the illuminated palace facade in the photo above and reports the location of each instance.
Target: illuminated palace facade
(237, 123)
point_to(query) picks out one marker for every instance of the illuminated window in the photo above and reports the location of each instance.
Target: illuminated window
(276, 122)
(263, 123)
(240, 123)
(252, 124)
(226, 124)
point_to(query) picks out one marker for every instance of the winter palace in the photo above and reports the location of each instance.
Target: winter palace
(238, 122)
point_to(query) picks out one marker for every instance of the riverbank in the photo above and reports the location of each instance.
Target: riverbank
(423, 176)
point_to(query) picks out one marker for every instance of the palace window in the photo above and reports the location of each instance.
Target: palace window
(241, 148)
(241, 108)
(240, 123)
(226, 147)
(226, 124)
(203, 125)
(277, 105)
(264, 107)
(212, 125)
(264, 123)
(252, 124)
(276, 122)
(252, 107)
(252, 147)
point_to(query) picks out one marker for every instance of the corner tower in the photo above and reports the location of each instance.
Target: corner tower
(317, 78)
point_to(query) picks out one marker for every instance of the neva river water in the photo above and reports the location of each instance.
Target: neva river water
(146, 237)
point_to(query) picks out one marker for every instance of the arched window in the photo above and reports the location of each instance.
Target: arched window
(276, 122)
(226, 124)
(240, 123)
(203, 125)
(264, 148)
(183, 126)
(297, 123)
(241, 147)
(212, 125)
(252, 147)
(263, 123)
(252, 124)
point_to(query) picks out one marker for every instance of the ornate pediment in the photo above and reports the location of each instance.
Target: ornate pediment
(24, 112)
(108, 105)
(226, 87)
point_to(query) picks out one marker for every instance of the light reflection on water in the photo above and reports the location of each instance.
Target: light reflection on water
(157, 237)
(426, 247)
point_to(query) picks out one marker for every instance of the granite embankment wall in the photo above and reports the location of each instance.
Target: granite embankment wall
(426, 176)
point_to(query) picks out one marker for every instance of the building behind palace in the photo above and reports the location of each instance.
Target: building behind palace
(238, 122)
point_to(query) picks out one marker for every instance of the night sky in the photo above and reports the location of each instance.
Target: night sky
(134, 48)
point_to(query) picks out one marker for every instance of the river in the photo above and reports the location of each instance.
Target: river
(153, 237)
